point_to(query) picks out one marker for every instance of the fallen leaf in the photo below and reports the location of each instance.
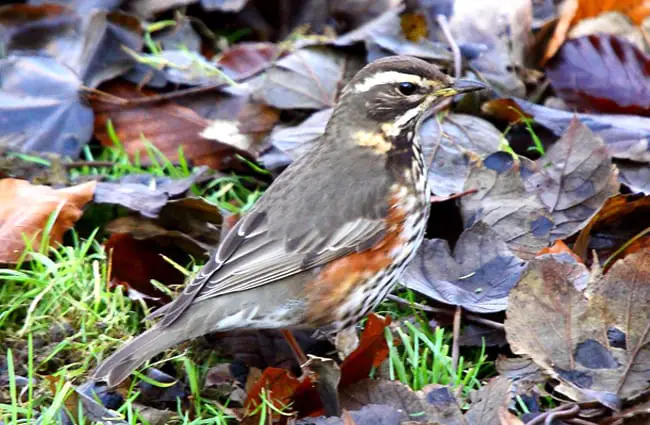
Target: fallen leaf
(490, 31)
(573, 11)
(592, 341)
(309, 78)
(635, 176)
(383, 36)
(166, 125)
(573, 179)
(502, 202)
(243, 60)
(626, 136)
(430, 405)
(371, 352)
(144, 193)
(613, 23)
(25, 210)
(602, 73)
(488, 402)
(475, 277)
(450, 146)
(90, 45)
(620, 218)
(372, 414)
(294, 141)
(134, 263)
(42, 97)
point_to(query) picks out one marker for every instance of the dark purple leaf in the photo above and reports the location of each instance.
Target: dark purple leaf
(602, 73)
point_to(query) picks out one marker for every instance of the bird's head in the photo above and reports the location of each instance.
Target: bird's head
(390, 96)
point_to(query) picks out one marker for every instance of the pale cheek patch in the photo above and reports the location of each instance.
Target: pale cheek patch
(375, 141)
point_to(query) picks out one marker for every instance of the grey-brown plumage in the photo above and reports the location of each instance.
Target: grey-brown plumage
(328, 239)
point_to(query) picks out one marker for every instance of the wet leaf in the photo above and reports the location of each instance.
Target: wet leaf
(452, 145)
(488, 401)
(41, 109)
(309, 78)
(626, 136)
(25, 210)
(478, 275)
(595, 342)
(602, 73)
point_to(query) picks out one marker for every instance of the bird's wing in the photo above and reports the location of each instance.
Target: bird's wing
(250, 257)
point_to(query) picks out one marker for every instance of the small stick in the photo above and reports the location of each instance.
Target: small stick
(455, 50)
(468, 316)
(300, 356)
(455, 347)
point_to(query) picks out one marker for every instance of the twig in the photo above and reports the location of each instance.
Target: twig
(455, 50)
(146, 100)
(447, 312)
(577, 421)
(564, 411)
(455, 346)
(454, 196)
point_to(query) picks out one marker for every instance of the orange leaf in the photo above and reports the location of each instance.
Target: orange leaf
(372, 351)
(26, 208)
(280, 386)
(574, 11)
(559, 247)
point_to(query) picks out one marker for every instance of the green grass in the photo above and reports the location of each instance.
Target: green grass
(423, 357)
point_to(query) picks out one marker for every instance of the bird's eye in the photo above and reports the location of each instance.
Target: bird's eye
(406, 88)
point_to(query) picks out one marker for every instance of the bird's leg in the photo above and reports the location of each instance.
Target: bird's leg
(300, 356)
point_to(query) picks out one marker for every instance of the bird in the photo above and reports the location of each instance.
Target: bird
(331, 235)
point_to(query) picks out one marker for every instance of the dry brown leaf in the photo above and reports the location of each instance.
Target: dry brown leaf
(26, 208)
(488, 401)
(596, 341)
(574, 11)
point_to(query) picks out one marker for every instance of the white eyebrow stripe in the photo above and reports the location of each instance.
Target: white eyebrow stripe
(386, 77)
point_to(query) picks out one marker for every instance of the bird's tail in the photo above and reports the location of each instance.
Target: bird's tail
(120, 364)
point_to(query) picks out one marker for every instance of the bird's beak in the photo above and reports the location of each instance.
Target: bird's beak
(460, 86)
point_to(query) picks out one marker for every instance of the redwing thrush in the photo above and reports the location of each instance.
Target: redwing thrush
(328, 240)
